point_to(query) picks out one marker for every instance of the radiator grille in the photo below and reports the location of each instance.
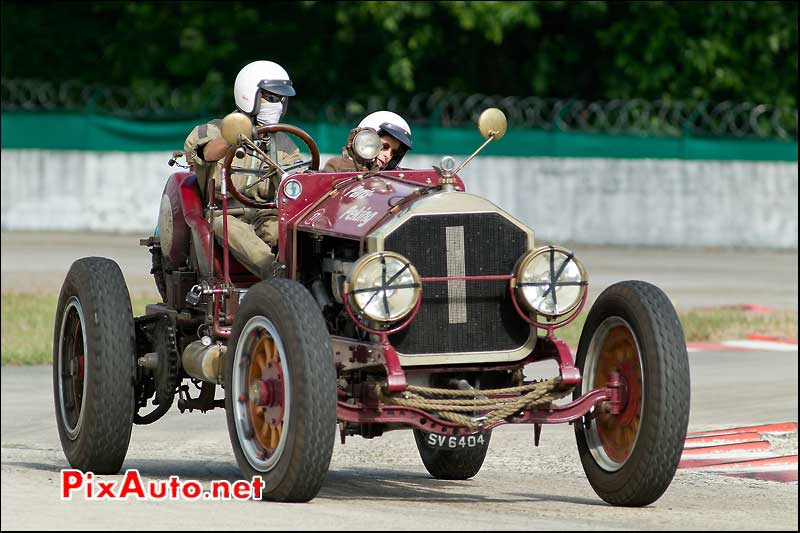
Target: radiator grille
(461, 316)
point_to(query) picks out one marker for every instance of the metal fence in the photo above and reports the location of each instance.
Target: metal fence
(630, 117)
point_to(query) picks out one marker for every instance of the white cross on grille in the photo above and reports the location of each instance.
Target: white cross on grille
(456, 289)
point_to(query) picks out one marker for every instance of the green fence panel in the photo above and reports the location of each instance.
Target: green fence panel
(83, 131)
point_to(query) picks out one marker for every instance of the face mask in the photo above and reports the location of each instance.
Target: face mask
(269, 113)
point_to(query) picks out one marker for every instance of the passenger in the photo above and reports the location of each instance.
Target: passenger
(395, 134)
(261, 91)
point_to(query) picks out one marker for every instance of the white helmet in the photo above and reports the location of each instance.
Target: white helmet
(387, 122)
(256, 76)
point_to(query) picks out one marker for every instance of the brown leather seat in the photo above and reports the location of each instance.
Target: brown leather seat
(201, 230)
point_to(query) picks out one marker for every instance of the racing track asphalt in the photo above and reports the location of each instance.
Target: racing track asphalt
(381, 483)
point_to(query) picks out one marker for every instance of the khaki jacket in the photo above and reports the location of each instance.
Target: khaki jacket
(282, 150)
(340, 164)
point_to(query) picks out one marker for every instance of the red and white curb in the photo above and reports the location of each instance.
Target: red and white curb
(721, 440)
(773, 429)
(740, 452)
(749, 307)
(752, 342)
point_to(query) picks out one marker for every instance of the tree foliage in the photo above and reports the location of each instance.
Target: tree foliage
(744, 51)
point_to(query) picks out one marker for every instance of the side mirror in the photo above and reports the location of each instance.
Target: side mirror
(492, 122)
(493, 125)
(234, 126)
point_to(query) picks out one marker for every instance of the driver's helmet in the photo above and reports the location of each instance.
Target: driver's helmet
(255, 77)
(389, 123)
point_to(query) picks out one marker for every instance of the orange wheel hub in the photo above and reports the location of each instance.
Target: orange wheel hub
(266, 394)
(620, 353)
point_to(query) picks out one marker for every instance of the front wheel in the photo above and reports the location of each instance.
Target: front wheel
(280, 390)
(630, 458)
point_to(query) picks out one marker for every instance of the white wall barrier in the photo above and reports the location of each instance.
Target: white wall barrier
(602, 201)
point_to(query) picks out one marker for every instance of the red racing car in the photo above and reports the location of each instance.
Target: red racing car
(398, 301)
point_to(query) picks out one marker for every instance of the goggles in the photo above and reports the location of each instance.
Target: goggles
(272, 98)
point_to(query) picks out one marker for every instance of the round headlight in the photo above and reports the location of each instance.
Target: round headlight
(367, 144)
(550, 281)
(385, 286)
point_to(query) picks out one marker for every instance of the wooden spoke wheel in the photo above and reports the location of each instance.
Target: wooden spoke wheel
(613, 437)
(633, 330)
(280, 390)
(261, 383)
(72, 367)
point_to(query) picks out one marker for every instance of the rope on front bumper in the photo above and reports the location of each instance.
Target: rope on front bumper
(485, 411)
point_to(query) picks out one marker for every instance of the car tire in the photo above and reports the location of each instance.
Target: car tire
(630, 458)
(94, 350)
(158, 271)
(451, 464)
(279, 345)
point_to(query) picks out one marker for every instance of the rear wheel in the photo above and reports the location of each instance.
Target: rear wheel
(460, 463)
(630, 458)
(280, 384)
(158, 271)
(94, 350)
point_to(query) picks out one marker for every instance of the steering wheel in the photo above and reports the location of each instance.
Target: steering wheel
(313, 164)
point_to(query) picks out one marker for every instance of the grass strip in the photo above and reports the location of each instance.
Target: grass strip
(27, 325)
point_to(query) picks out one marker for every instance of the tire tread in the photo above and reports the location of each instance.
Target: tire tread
(645, 481)
(305, 331)
(103, 441)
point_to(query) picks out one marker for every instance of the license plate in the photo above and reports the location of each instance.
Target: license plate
(454, 442)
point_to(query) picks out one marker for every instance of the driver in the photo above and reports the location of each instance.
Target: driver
(395, 134)
(261, 91)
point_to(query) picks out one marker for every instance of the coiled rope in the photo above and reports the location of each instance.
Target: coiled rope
(449, 404)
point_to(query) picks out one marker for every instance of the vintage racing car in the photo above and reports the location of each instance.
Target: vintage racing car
(398, 301)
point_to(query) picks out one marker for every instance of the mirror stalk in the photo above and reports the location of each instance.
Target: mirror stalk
(476, 152)
(492, 125)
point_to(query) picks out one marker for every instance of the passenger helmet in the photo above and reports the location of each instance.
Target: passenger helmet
(387, 122)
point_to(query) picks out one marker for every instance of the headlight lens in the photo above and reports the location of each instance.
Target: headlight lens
(550, 281)
(367, 144)
(385, 286)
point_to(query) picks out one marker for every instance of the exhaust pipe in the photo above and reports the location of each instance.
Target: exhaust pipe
(204, 360)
